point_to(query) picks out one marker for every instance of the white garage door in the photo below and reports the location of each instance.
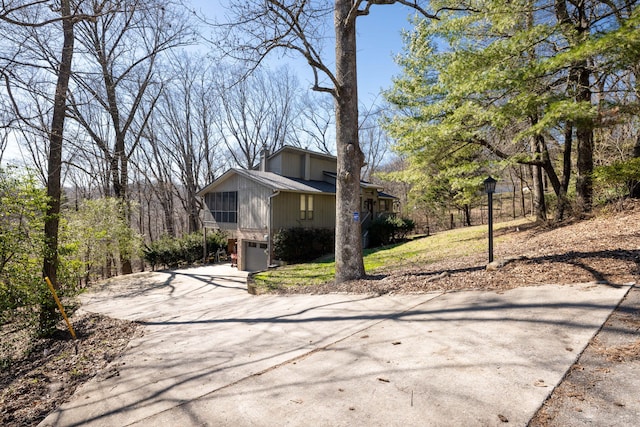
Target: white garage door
(255, 256)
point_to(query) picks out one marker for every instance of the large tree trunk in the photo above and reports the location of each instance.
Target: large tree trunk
(584, 127)
(48, 317)
(566, 156)
(584, 136)
(539, 205)
(349, 263)
(634, 185)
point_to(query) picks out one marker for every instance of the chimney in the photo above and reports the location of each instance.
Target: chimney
(307, 166)
(264, 153)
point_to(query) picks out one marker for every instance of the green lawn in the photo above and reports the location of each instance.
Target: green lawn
(453, 243)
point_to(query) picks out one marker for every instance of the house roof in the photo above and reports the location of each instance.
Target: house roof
(274, 181)
(302, 150)
(383, 195)
(283, 183)
(363, 184)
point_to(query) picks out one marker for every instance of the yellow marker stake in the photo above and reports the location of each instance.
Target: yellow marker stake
(55, 296)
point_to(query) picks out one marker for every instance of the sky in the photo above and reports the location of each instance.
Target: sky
(379, 41)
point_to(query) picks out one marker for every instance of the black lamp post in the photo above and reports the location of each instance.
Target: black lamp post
(490, 188)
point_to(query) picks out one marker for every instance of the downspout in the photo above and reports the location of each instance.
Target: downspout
(270, 227)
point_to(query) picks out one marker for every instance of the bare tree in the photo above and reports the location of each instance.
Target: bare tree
(318, 123)
(374, 141)
(121, 51)
(299, 26)
(186, 111)
(256, 112)
(155, 164)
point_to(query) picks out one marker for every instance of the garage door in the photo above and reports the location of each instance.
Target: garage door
(255, 256)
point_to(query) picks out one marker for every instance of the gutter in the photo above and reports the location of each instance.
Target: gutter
(270, 226)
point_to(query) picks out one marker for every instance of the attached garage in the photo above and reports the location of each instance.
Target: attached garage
(255, 256)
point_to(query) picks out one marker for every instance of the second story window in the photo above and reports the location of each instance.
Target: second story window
(223, 206)
(306, 206)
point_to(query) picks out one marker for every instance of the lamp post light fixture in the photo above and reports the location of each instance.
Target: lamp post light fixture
(490, 188)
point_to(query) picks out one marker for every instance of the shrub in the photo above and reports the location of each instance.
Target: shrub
(617, 180)
(302, 244)
(95, 235)
(172, 252)
(389, 229)
(22, 213)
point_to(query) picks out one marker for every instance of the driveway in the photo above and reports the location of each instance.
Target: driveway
(212, 354)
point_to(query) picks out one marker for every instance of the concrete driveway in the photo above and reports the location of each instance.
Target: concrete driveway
(212, 354)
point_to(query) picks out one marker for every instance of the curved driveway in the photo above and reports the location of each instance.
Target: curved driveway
(212, 354)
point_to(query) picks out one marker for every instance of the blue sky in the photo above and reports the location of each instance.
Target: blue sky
(379, 40)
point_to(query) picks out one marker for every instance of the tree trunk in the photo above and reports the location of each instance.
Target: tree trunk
(584, 179)
(566, 157)
(467, 215)
(584, 127)
(634, 185)
(48, 317)
(539, 205)
(349, 263)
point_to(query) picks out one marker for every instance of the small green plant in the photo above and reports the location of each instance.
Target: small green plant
(389, 229)
(617, 180)
(302, 244)
(172, 252)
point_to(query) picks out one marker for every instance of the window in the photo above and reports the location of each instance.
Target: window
(223, 206)
(306, 206)
(383, 205)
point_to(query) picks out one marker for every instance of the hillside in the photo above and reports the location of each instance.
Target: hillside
(605, 248)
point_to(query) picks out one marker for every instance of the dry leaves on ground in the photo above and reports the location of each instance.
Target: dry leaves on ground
(604, 248)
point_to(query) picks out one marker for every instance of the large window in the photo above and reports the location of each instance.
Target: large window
(223, 205)
(306, 206)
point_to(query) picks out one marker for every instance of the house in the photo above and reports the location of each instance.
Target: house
(292, 187)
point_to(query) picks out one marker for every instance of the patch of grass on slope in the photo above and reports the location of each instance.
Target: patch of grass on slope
(453, 243)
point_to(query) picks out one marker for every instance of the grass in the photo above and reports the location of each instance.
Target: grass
(452, 243)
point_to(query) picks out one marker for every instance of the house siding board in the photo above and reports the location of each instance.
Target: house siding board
(230, 184)
(275, 165)
(292, 164)
(319, 166)
(253, 205)
(286, 211)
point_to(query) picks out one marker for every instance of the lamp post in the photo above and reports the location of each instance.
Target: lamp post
(490, 188)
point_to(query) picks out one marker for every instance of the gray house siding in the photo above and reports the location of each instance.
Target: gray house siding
(269, 198)
(296, 164)
(320, 165)
(253, 205)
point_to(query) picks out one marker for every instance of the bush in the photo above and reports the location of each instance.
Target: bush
(302, 244)
(95, 236)
(617, 180)
(389, 229)
(22, 211)
(172, 252)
